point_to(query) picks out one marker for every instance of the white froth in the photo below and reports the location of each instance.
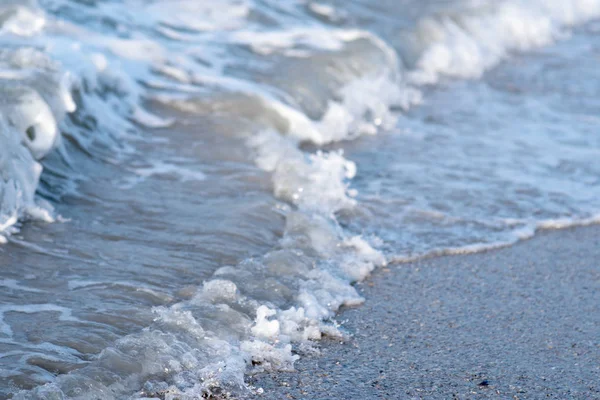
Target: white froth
(19, 176)
(527, 230)
(37, 78)
(159, 168)
(315, 182)
(326, 11)
(197, 15)
(21, 18)
(264, 328)
(291, 40)
(468, 44)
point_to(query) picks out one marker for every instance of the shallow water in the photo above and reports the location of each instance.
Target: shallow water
(215, 176)
(488, 162)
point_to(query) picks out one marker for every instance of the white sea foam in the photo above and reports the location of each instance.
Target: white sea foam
(21, 17)
(163, 168)
(38, 77)
(525, 230)
(316, 181)
(201, 16)
(18, 182)
(34, 95)
(466, 43)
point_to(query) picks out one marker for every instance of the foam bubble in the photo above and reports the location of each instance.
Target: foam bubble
(466, 44)
(21, 18)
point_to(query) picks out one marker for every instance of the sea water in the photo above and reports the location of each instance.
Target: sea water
(189, 188)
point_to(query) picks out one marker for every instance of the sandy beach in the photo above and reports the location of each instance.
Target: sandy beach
(521, 322)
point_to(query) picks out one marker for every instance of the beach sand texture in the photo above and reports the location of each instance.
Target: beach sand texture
(521, 322)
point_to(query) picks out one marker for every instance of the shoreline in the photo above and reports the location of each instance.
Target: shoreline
(519, 322)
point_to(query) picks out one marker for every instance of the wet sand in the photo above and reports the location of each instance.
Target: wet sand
(521, 322)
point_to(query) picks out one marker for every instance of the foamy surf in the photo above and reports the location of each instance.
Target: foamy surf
(43, 68)
(278, 79)
(465, 43)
